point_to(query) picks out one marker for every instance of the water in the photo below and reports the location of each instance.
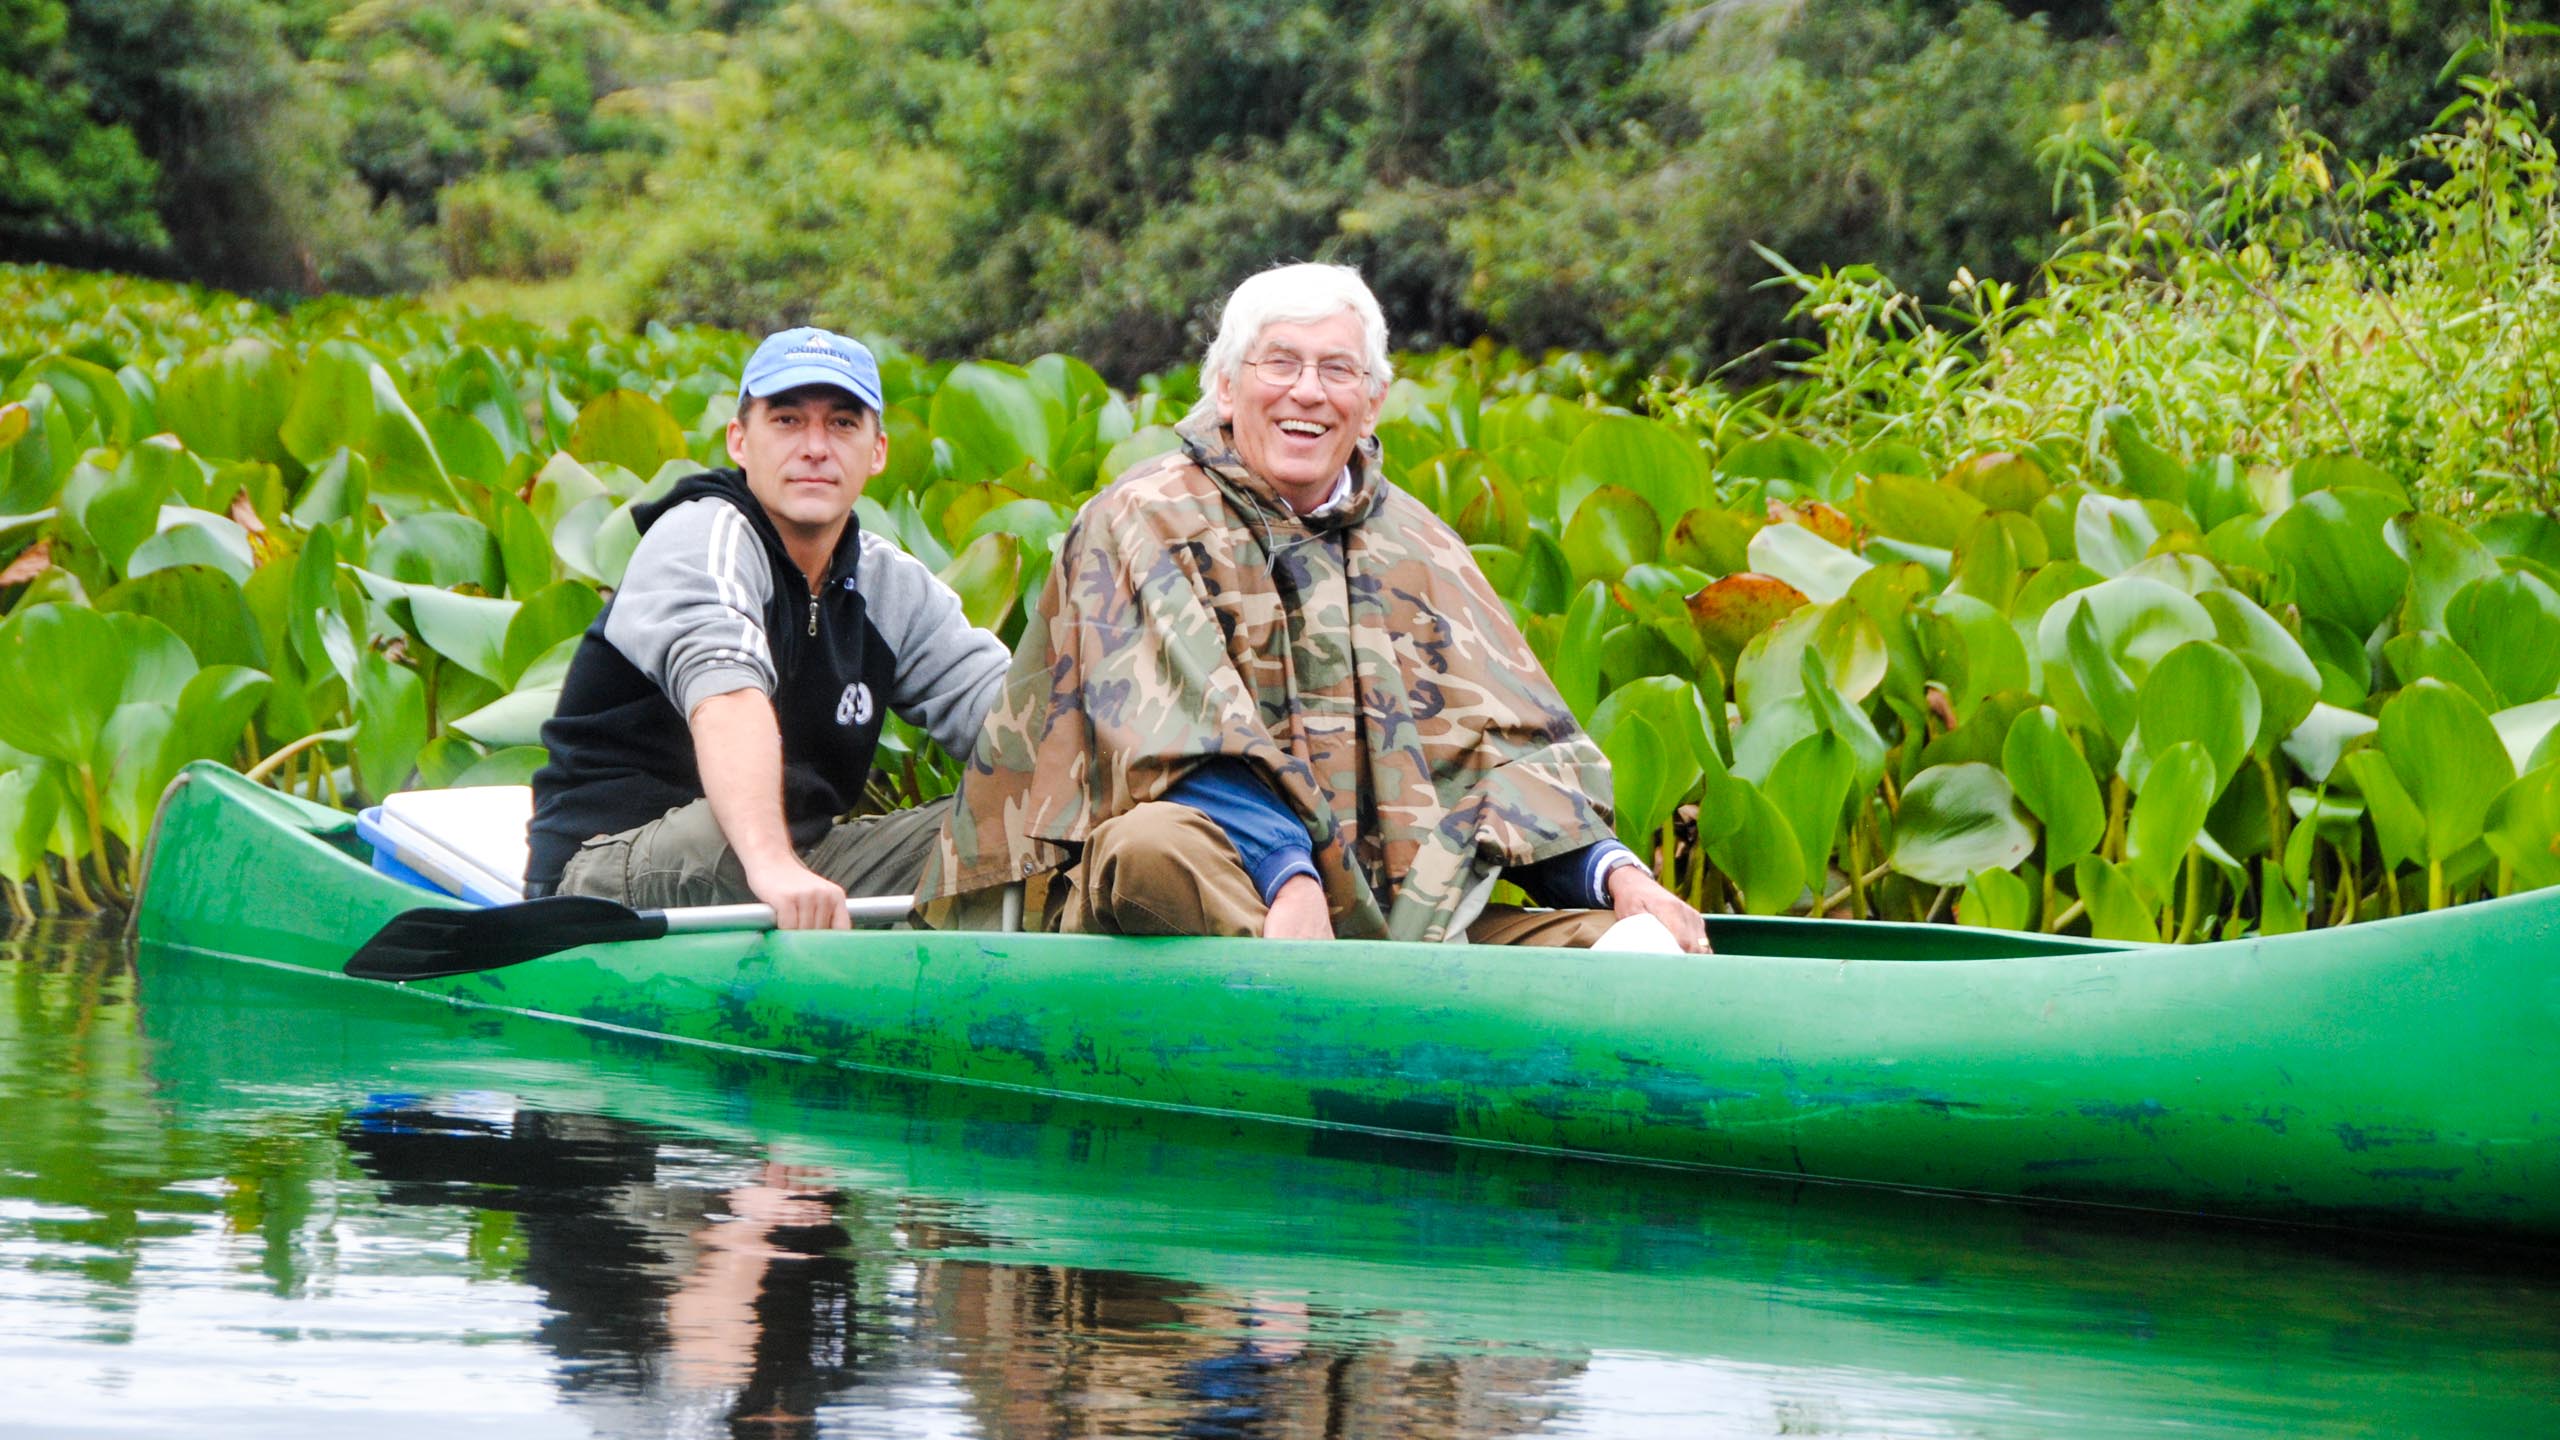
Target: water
(240, 1201)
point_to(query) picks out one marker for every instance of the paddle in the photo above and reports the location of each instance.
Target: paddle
(434, 941)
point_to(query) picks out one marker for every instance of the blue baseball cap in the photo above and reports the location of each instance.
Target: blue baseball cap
(790, 359)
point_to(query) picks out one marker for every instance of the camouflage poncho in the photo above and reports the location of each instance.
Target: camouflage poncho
(1358, 661)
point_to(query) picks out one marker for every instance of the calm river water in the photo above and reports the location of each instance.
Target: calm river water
(236, 1201)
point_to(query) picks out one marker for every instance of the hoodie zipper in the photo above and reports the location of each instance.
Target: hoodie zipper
(813, 614)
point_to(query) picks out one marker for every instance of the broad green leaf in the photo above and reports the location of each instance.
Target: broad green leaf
(2098, 645)
(550, 615)
(1837, 717)
(138, 752)
(1577, 668)
(2280, 910)
(1647, 779)
(346, 399)
(2053, 781)
(2522, 827)
(1797, 461)
(467, 447)
(2524, 730)
(2001, 481)
(89, 394)
(2427, 655)
(230, 402)
(391, 724)
(1918, 511)
(29, 797)
(1613, 529)
(1485, 506)
(985, 575)
(1715, 541)
(2112, 535)
(203, 605)
(2448, 757)
(995, 418)
(2168, 815)
(340, 487)
(117, 509)
(1995, 557)
(2147, 470)
(561, 488)
(2398, 824)
(1996, 900)
(2331, 551)
(524, 547)
(1955, 820)
(324, 635)
(62, 673)
(2442, 560)
(2115, 908)
(1760, 854)
(2346, 472)
(513, 765)
(442, 550)
(1735, 610)
(1970, 649)
(2316, 745)
(1805, 561)
(2288, 683)
(477, 383)
(1810, 784)
(626, 428)
(468, 630)
(214, 711)
(2510, 627)
(2199, 692)
(195, 537)
(1849, 645)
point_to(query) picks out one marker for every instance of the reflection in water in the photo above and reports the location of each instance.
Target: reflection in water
(236, 1201)
(734, 1288)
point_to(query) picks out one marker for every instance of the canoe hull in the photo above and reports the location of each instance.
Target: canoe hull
(2395, 1075)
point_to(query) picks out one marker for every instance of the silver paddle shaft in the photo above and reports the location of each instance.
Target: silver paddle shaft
(874, 910)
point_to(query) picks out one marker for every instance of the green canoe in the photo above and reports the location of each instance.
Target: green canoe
(2398, 1074)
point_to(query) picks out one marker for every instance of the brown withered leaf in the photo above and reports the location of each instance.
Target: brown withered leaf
(1737, 607)
(31, 562)
(1820, 517)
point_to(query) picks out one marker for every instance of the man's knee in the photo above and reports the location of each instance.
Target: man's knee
(1162, 868)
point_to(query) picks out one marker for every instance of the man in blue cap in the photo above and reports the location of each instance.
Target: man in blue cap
(720, 716)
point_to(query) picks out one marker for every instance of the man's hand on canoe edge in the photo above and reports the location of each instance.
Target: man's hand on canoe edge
(802, 899)
(1632, 892)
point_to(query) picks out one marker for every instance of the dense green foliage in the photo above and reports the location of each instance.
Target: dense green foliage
(1013, 176)
(2111, 609)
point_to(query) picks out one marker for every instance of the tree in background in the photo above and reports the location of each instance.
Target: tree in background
(68, 183)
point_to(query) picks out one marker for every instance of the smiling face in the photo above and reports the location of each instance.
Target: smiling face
(1298, 436)
(807, 453)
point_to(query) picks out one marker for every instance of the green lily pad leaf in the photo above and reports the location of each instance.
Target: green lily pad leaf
(629, 429)
(2112, 535)
(1486, 506)
(1642, 457)
(2123, 628)
(1769, 733)
(195, 537)
(2115, 907)
(1647, 778)
(1836, 716)
(2522, 828)
(2427, 655)
(2181, 570)
(203, 605)
(391, 724)
(2168, 815)
(468, 448)
(2147, 470)
(2323, 738)
(524, 547)
(573, 540)
(62, 673)
(1996, 900)
(1982, 739)
(1735, 610)
(2397, 824)
(1849, 645)
(90, 394)
(1760, 854)
(2510, 626)
(444, 551)
(2443, 559)
(468, 630)
(1969, 648)
(1797, 461)
(1955, 820)
(2198, 692)
(985, 575)
(2525, 729)
(2001, 481)
(1995, 557)
(513, 765)
(1810, 784)
(995, 418)
(1613, 529)
(1920, 512)
(2053, 781)
(214, 711)
(2346, 472)
(1717, 542)
(2288, 683)
(322, 625)
(2448, 757)
(29, 798)
(134, 761)
(1143, 444)
(1577, 667)
(555, 613)
(475, 382)
(1806, 561)
(345, 399)
(340, 487)
(516, 719)
(561, 488)
(2331, 551)
(117, 509)
(229, 403)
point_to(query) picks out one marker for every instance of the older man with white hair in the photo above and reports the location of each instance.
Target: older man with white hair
(1269, 693)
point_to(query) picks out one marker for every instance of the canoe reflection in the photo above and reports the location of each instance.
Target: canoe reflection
(711, 1284)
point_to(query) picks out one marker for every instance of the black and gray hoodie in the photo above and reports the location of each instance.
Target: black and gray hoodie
(712, 603)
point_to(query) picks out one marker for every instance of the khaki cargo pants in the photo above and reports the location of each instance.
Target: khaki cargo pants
(1166, 869)
(681, 858)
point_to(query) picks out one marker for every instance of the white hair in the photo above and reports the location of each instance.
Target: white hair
(1292, 295)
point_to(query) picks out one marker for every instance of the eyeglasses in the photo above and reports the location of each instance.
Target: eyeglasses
(1283, 371)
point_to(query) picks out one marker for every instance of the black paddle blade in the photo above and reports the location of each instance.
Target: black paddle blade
(431, 942)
